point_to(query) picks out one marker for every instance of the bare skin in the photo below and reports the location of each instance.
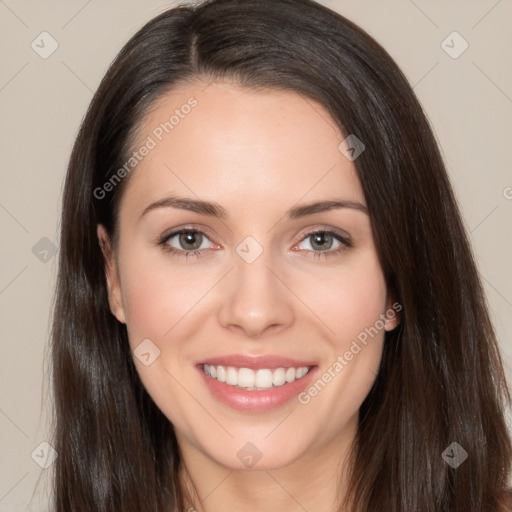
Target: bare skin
(257, 154)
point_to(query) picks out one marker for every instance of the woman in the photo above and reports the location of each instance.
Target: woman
(266, 299)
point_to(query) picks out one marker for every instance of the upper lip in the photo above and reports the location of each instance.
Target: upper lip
(256, 362)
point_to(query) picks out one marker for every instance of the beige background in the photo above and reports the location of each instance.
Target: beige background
(467, 99)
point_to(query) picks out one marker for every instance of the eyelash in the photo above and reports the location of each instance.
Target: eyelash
(345, 243)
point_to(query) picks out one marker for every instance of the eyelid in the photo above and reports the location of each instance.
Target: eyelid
(342, 237)
(188, 227)
(300, 237)
(323, 229)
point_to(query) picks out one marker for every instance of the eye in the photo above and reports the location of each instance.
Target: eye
(185, 242)
(188, 242)
(325, 243)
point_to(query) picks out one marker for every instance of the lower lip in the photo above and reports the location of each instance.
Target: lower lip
(256, 400)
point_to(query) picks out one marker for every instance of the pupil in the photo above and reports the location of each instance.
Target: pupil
(320, 240)
(190, 239)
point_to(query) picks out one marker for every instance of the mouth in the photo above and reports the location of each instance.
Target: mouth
(255, 380)
(255, 384)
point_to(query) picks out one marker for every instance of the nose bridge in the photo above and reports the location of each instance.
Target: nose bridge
(256, 298)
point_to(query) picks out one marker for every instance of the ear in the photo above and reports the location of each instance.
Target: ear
(392, 314)
(111, 274)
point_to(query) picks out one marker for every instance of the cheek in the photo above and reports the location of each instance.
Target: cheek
(158, 296)
(351, 306)
(158, 300)
(348, 299)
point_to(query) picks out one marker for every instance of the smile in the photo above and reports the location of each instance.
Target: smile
(255, 380)
(256, 384)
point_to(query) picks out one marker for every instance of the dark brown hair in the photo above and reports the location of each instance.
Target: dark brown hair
(441, 378)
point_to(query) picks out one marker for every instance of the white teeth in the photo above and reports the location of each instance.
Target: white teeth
(263, 379)
(255, 379)
(278, 377)
(290, 375)
(221, 374)
(246, 378)
(231, 376)
(298, 374)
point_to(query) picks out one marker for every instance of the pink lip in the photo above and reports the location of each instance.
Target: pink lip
(256, 362)
(257, 400)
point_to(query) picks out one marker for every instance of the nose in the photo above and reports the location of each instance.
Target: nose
(257, 298)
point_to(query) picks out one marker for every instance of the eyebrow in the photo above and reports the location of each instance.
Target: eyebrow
(212, 209)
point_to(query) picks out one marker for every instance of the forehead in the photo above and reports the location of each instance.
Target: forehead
(238, 146)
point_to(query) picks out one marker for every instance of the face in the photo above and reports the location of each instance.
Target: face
(257, 324)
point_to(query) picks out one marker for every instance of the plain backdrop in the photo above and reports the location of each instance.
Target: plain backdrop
(467, 96)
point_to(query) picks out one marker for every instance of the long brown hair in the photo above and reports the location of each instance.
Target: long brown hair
(441, 379)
